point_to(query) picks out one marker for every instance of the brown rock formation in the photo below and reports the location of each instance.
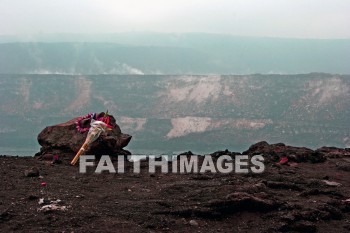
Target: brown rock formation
(64, 139)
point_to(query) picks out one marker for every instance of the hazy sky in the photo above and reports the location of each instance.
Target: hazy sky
(276, 18)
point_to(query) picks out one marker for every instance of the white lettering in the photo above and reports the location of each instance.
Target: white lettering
(220, 161)
(188, 166)
(105, 159)
(259, 167)
(83, 163)
(208, 164)
(153, 163)
(239, 163)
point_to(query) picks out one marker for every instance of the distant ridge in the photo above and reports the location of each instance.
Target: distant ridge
(161, 53)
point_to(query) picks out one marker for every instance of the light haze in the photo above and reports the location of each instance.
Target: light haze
(271, 18)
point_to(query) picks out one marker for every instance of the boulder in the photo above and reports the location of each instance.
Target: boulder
(65, 140)
(277, 151)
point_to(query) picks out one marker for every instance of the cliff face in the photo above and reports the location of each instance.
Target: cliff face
(173, 113)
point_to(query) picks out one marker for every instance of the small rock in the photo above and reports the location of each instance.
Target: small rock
(260, 185)
(58, 201)
(51, 207)
(32, 172)
(194, 223)
(331, 183)
(43, 201)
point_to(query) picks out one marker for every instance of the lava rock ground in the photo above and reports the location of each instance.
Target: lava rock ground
(304, 197)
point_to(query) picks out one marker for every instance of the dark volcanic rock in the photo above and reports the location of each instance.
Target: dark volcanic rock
(239, 201)
(333, 152)
(32, 172)
(277, 151)
(64, 139)
(224, 152)
(188, 153)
